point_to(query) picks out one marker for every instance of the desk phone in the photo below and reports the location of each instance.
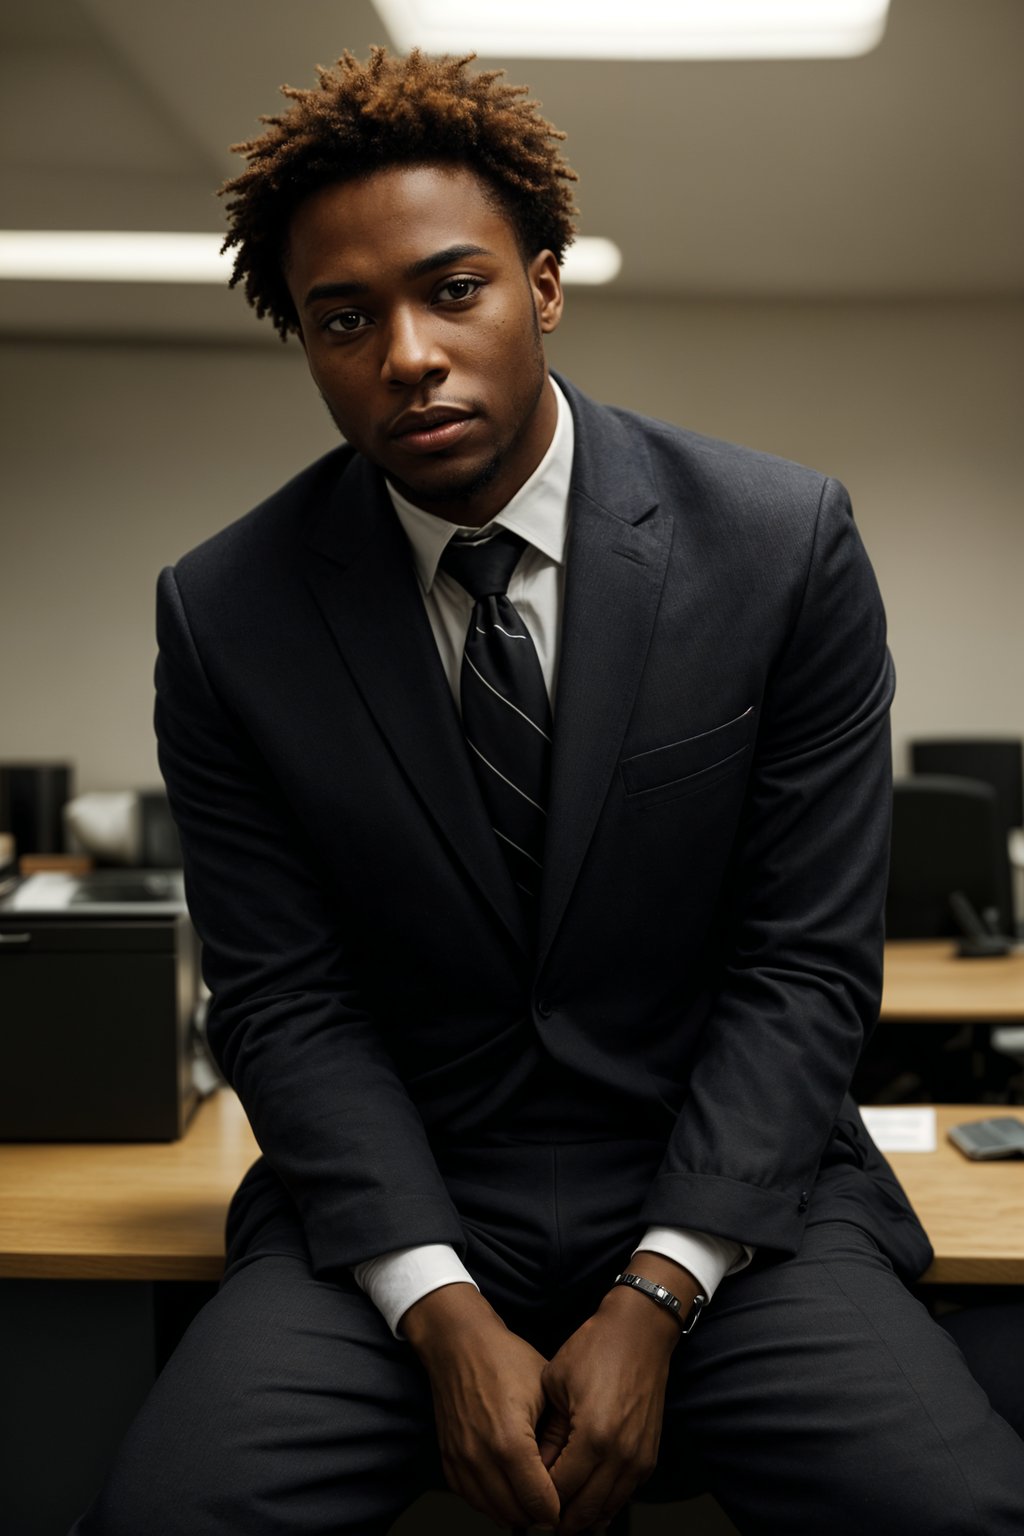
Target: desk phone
(1002, 1136)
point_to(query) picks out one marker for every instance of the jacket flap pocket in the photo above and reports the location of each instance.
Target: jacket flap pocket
(689, 758)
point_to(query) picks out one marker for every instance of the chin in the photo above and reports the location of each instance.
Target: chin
(457, 484)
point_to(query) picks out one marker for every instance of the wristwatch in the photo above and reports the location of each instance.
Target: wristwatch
(663, 1297)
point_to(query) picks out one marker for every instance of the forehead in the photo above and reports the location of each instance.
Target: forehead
(392, 218)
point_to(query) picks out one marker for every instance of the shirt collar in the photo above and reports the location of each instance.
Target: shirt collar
(538, 512)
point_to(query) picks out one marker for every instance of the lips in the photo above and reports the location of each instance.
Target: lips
(436, 427)
(424, 420)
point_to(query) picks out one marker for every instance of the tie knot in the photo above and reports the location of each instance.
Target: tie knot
(484, 569)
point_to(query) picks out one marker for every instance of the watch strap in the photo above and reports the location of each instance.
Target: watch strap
(663, 1297)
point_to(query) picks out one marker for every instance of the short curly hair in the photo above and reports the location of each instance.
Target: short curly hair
(390, 111)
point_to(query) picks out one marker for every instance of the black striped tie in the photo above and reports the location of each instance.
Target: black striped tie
(506, 714)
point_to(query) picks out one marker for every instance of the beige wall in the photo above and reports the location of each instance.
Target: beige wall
(117, 458)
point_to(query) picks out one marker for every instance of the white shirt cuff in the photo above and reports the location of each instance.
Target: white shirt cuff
(709, 1259)
(393, 1281)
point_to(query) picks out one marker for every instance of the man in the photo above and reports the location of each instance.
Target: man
(542, 912)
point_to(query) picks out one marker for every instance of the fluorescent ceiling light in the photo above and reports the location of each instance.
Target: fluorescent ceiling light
(638, 29)
(111, 256)
(102, 256)
(591, 259)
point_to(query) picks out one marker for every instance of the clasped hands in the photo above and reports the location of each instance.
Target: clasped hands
(561, 1443)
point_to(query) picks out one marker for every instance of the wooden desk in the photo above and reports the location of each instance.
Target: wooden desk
(973, 1212)
(926, 980)
(116, 1211)
(156, 1212)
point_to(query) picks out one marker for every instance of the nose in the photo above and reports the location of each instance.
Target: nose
(412, 350)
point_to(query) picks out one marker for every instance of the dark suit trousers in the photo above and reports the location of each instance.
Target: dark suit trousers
(816, 1396)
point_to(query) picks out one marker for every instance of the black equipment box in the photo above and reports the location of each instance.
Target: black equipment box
(99, 982)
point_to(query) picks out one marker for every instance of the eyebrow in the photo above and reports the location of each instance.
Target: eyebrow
(421, 268)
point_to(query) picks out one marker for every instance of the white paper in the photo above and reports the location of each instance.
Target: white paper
(900, 1130)
(49, 890)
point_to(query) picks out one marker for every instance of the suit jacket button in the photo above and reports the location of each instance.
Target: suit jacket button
(544, 1008)
(802, 1205)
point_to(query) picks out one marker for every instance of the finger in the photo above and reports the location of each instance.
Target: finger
(533, 1488)
(511, 1486)
(552, 1435)
(489, 1491)
(594, 1507)
(580, 1458)
(493, 1498)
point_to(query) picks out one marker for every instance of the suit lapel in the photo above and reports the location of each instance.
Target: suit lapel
(617, 557)
(362, 577)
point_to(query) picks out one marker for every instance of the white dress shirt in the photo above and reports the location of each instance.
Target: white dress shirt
(539, 513)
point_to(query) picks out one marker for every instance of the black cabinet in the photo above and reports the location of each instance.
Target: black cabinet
(95, 1026)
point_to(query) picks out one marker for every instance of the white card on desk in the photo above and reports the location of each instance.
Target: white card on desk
(900, 1130)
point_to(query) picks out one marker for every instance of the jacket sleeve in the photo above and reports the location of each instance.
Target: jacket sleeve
(286, 1025)
(801, 982)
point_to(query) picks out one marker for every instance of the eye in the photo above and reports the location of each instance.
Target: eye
(458, 289)
(346, 320)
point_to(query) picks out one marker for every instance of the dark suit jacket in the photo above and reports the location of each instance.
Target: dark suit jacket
(710, 931)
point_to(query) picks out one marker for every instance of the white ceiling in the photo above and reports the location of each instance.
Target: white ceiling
(896, 174)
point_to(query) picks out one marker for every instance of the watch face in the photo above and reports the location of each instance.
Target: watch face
(688, 1323)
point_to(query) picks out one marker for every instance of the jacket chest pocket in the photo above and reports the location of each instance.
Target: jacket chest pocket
(684, 767)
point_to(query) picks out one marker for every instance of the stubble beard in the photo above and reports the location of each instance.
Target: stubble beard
(459, 488)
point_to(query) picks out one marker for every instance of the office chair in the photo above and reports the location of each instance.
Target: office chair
(945, 839)
(998, 761)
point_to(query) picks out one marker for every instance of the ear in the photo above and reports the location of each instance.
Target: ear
(546, 282)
